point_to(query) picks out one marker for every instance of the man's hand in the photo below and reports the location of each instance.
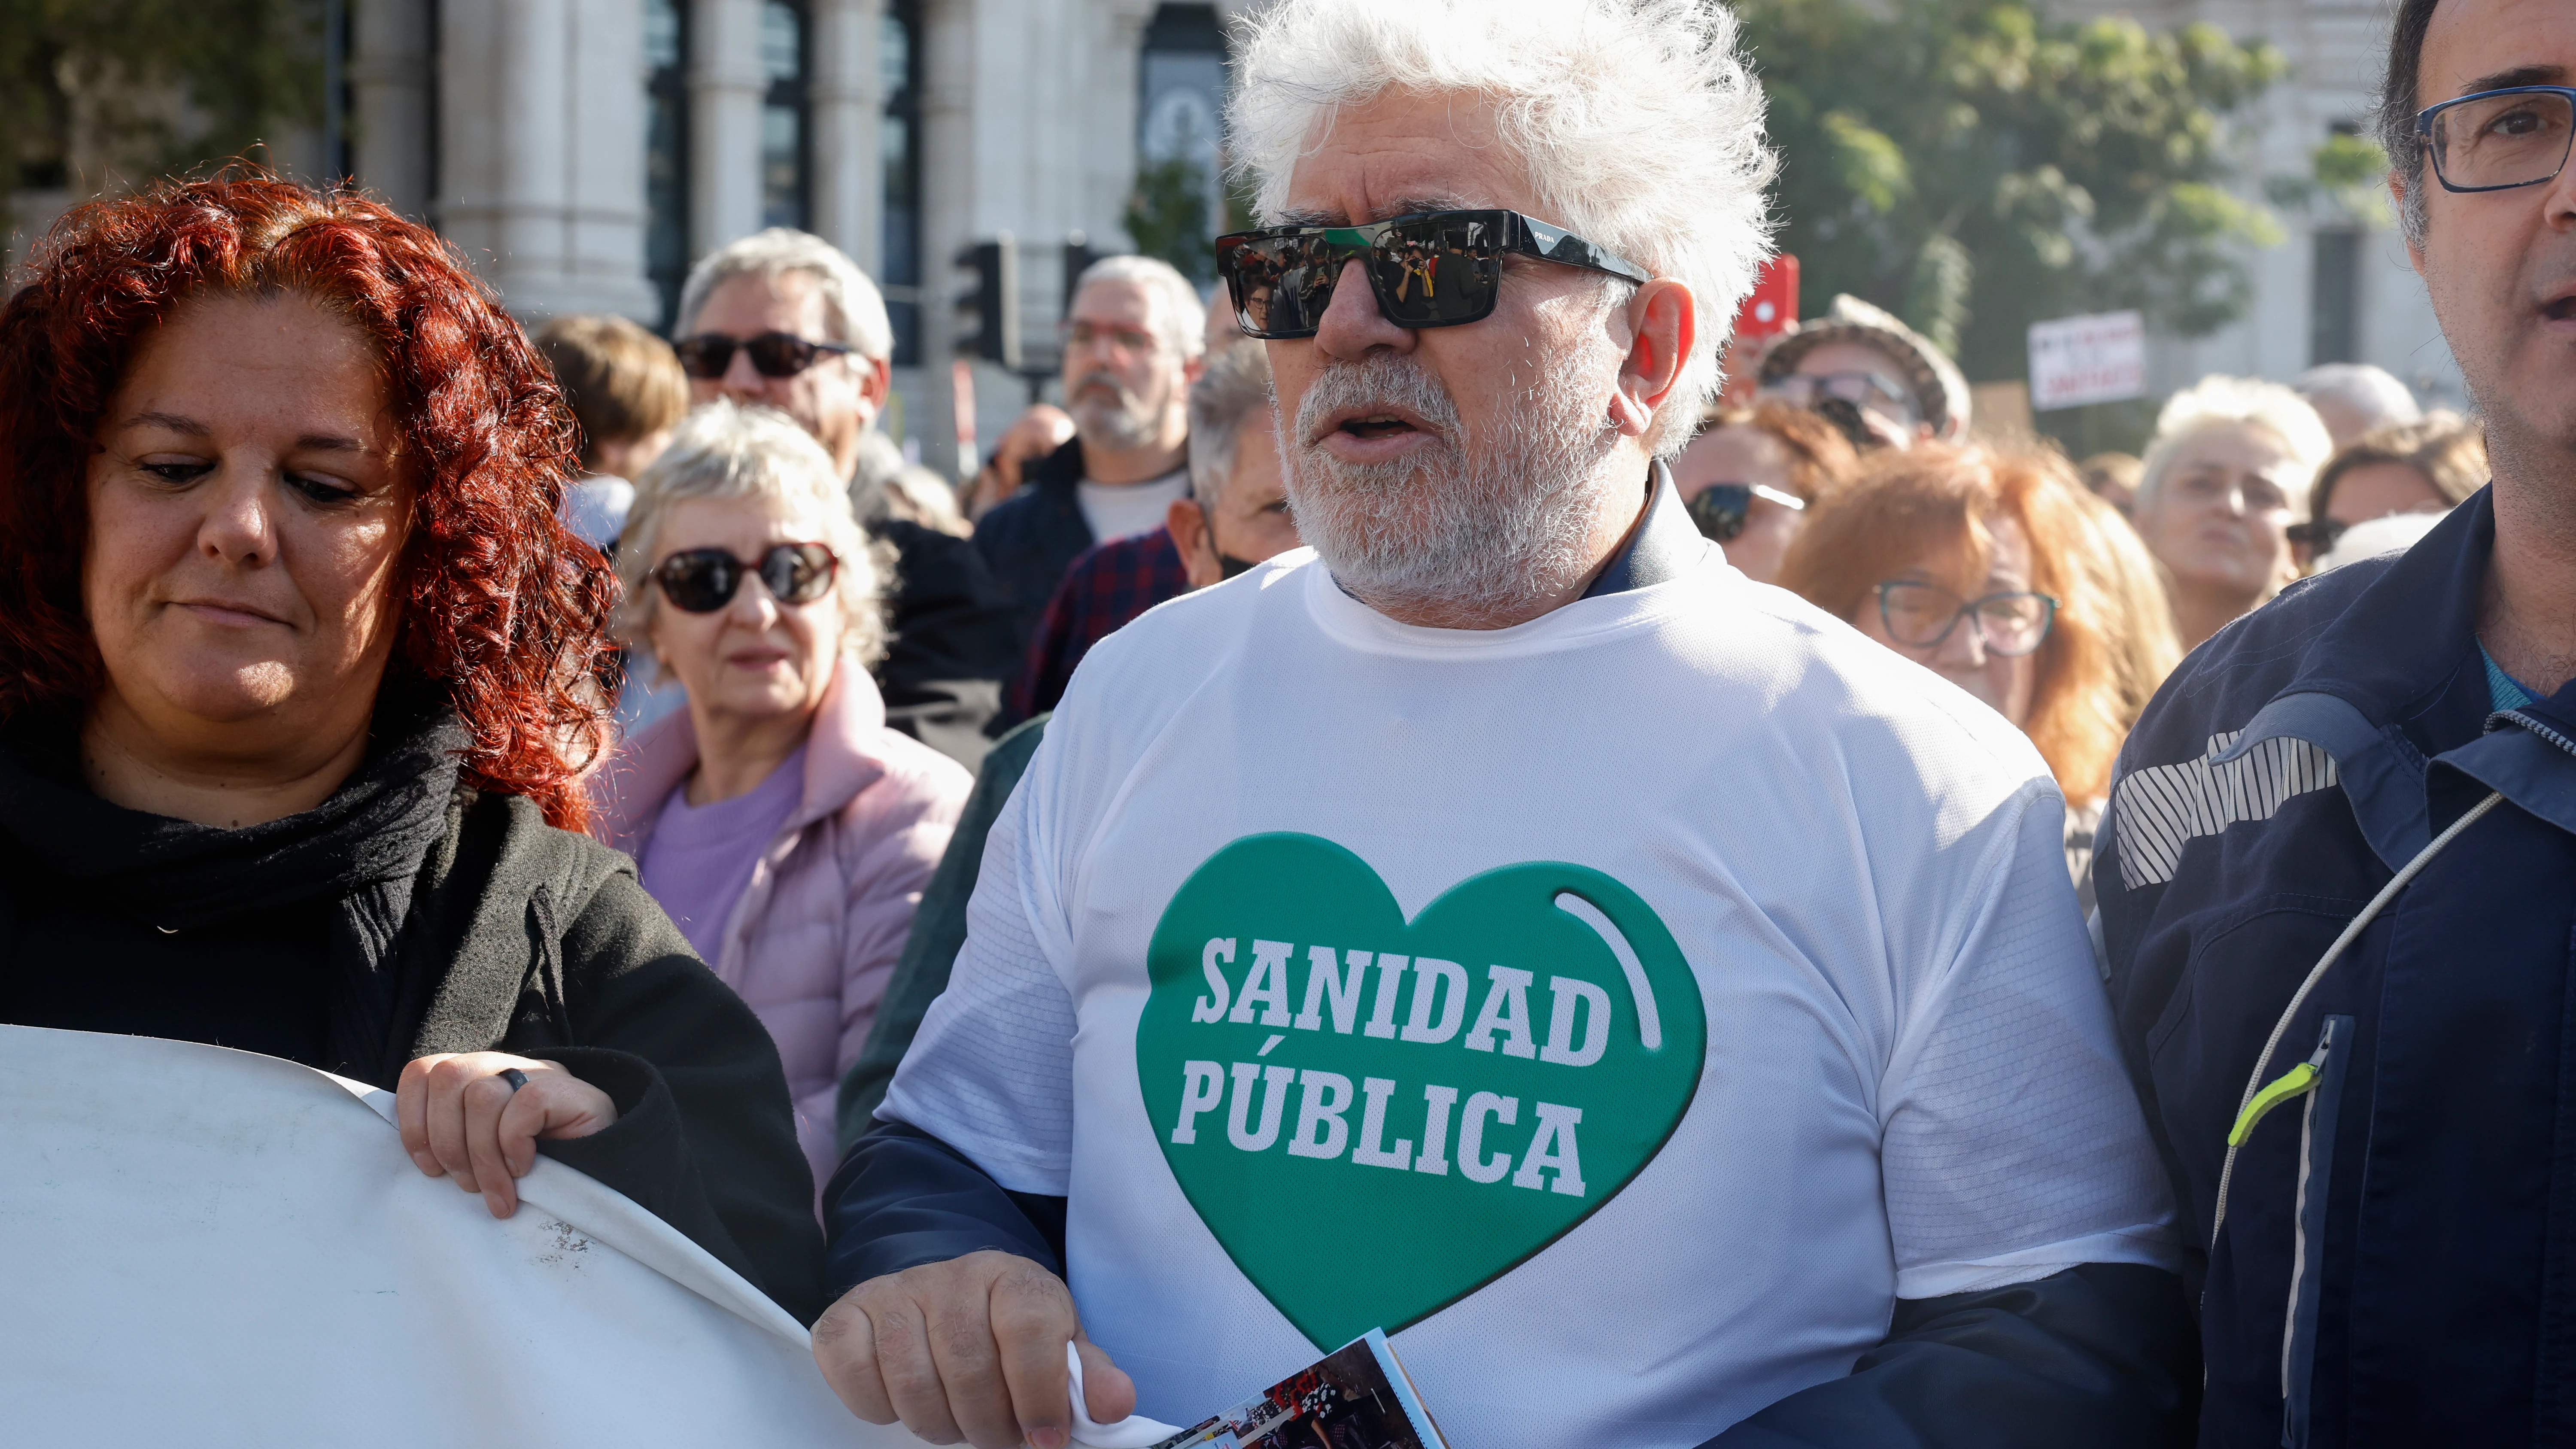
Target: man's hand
(461, 1118)
(1039, 431)
(969, 1349)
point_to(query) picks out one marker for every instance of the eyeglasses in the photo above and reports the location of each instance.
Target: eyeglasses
(1722, 509)
(703, 580)
(773, 354)
(1920, 616)
(1860, 389)
(2319, 534)
(2498, 140)
(1083, 336)
(1429, 269)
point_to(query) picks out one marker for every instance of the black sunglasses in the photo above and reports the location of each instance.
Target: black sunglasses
(2319, 534)
(1430, 269)
(1722, 509)
(2498, 140)
(703, 580)
(773, 354)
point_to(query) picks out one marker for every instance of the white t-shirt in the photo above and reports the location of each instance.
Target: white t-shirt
(1115, 510)
(1623, 1009)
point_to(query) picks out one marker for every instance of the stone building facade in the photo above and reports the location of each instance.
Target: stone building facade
(584, 152)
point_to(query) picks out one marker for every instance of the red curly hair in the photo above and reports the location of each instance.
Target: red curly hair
(502, 608)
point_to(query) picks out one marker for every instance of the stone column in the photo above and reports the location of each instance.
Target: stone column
(725, 87)
(848, 95)
(504, 141)
(602, 183)
(1118, 71)
(390, 65)
(948, 71)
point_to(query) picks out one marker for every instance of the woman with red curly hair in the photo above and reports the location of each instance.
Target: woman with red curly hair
(290, 726)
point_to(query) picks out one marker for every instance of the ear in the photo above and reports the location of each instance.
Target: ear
(876, 382)
(1188, 525)
(1663, 323)
(1192, 368)
(2397, 198)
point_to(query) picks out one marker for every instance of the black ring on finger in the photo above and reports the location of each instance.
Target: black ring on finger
(514, 1077)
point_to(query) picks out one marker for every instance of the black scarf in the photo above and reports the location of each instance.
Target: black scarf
(360, 850)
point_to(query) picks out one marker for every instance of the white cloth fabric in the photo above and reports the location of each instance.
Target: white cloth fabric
(1115, 510)
(1910, 1085)
(210, 1247)
(595, 507)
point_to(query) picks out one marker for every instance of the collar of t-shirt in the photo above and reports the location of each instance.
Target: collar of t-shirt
(2504, 692)
(1116, 510)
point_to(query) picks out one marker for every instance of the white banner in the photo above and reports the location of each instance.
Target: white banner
(2095, 359)
(207, 1247)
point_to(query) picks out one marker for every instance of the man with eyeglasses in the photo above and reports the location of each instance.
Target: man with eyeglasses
(2338, 883)
(1359, 950)
(782, 319)
(1881, 381)
(1133, 344)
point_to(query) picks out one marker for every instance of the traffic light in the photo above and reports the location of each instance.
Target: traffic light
(990, 310)
(1078, 257)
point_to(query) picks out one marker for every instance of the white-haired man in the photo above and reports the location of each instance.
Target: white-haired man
(1347, 958)
(1132, 347)
(783, 319)
(2354, 398)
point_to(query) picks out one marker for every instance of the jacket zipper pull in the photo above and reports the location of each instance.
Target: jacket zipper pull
(2297, 1082)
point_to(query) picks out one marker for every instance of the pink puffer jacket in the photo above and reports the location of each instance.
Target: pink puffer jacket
(814, 938)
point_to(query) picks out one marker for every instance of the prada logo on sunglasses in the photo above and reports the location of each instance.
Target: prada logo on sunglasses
(773, 354)
(1429, 269)
(703, 580)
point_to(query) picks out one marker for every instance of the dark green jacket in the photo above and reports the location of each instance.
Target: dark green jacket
(938, 933)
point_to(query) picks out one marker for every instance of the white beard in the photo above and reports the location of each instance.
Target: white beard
(1129, 422)
(1467, 526)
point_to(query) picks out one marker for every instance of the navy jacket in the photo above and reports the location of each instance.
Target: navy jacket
(2397, 1264)
(1030, 538)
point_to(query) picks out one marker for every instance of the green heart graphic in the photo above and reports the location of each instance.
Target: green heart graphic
(1377, 1118)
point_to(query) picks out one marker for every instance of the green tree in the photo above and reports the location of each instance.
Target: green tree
(1976, 166)
(1168, 216)
(98, 93)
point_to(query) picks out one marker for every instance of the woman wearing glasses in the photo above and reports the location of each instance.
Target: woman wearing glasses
(2002, 574)
(1750, 476)
(785, 828)
(292, 656)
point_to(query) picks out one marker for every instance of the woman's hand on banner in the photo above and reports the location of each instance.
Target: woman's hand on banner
(476, 1117)
(972, 1349)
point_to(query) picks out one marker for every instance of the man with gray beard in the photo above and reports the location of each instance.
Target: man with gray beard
(1358, 953)
(1133, 344)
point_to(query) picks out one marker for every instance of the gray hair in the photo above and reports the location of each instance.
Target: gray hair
(725, 451)
(1637, 120)
(2217, 401)
(2374, 392)
(853, 310)
(1233, 392)
(1180, 318)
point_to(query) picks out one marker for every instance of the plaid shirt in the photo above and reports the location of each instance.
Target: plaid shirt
(1103, 589)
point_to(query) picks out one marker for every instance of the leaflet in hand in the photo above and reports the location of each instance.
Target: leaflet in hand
(1356, 1397)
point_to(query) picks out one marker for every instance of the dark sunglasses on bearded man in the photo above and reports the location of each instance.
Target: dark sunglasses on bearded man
(1429, 269)
(703, 580)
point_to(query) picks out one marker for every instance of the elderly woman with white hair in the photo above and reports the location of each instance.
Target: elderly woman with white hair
(2226, 474)
(784, 827)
